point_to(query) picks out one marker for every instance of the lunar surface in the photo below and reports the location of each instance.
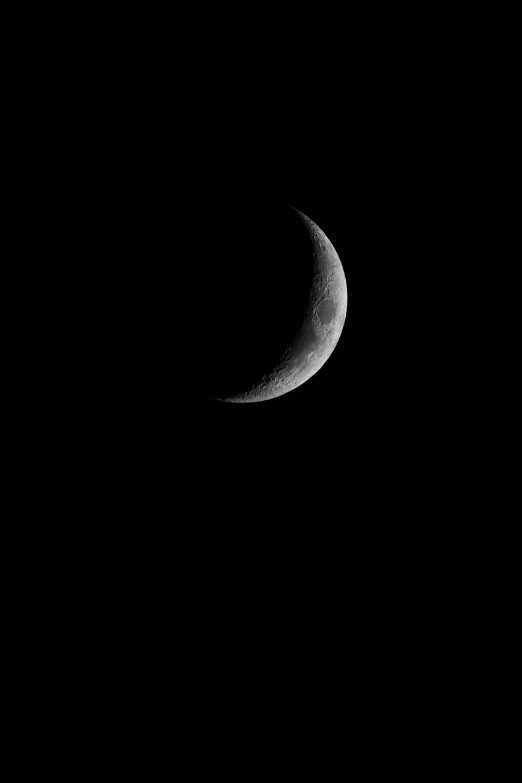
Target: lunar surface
(282, 310)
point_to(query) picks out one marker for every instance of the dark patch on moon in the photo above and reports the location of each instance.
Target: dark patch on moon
(326, 311)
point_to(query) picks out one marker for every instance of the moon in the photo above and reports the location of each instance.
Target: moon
(281, 308)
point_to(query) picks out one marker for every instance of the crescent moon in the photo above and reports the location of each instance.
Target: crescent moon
(320, 329)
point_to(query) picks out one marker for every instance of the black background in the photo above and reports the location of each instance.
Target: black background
(322, 519)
